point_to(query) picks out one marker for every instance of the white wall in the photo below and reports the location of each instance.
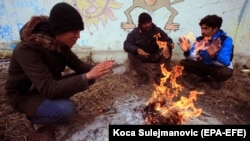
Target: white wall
(103, 35)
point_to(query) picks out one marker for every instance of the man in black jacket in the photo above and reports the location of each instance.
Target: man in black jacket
(35, 85)
(147, 43)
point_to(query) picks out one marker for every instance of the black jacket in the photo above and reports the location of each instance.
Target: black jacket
(146, 41)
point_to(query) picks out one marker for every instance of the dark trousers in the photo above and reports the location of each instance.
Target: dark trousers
(219, 73)
(136, 62)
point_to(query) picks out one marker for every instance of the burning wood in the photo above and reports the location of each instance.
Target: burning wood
(154, 117)
(162, 109)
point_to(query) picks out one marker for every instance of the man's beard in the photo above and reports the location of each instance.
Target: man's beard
(146, 29)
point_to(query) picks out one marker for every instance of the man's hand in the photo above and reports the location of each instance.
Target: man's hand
(201, 45)
(142, 52)
(172, 45)
(100, 69)
(214, 47)
(165, 52)
(184, 43)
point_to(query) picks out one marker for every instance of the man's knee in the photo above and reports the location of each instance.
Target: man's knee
(66, 111)
(225, 75)
(183, 62)
(63, 110)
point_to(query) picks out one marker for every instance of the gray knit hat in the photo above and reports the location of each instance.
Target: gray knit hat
(63, 18)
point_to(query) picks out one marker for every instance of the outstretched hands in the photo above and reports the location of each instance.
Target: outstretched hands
(100, 69)
(214, 47)
(184, 43)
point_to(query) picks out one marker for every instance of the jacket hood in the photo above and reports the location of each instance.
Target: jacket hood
(37, 32)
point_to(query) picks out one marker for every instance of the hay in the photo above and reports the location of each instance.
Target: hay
(100, 97)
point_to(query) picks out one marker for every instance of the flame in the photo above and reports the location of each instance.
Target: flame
(163, 98)
(162, 45)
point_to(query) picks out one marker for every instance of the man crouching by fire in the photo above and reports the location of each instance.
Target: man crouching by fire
(210, 56)
(147, 43)
(36, 85)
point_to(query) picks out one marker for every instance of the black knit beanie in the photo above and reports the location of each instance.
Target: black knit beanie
(63, 18)
(144, 18)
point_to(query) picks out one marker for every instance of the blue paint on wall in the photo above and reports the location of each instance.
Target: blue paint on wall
(25, 3)
(2, 9)
(242, 11)
(5, 32)
(12, 45)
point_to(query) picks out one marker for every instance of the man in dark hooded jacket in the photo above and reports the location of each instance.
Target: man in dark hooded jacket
(35, 85)
(147, 43)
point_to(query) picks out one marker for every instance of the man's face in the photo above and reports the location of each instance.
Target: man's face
(207, 31)
(146, 26)
(68, 38)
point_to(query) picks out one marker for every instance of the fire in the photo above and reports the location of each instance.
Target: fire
(162, 45)
(163, 109)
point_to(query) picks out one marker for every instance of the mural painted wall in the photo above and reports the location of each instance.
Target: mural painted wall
(107, 22)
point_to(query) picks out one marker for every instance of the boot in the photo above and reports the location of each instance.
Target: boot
(44, 133)
(157, 78)
(143, 79)
(214, 85)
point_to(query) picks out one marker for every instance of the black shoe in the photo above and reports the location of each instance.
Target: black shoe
(214, 85)
(45, 133)
(194, 82)
(157, 78)
(199, 81)
(143, 80)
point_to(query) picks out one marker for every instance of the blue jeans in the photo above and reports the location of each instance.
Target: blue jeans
(54, 111)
